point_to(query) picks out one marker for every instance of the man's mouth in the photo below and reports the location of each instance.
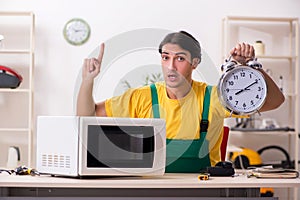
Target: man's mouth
(172, 77)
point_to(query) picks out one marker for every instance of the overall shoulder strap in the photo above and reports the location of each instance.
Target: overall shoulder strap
(205, 111)
(204, 149)
(155, 107)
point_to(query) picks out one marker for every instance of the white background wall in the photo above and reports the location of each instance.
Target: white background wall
(57, 64)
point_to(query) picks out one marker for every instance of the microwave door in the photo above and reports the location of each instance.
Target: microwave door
(117, 149)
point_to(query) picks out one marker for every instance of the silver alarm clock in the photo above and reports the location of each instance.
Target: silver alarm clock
(242, 89)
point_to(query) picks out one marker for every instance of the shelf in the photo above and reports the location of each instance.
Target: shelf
(15, 51)
(14, 14)
(269, 133)
(17, 115)
(14, 130)
(281, 37)
(281, 129)
(14, 90)
(277, 57)
(262, 19)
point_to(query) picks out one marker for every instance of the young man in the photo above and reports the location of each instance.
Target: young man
(180, 101)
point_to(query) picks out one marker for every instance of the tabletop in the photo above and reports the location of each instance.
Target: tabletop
(168, 180)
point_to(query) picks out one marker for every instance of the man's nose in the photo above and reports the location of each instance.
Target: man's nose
(171, 64)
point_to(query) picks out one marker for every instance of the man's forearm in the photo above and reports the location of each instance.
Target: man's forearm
(85, 101)
(274, 96)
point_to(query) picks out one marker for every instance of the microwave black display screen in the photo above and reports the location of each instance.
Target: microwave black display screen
(111, 146)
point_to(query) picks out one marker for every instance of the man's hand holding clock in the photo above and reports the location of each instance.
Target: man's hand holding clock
(242, 53)
(245, 88)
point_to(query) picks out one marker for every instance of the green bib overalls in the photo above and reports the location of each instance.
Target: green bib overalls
(186, 156)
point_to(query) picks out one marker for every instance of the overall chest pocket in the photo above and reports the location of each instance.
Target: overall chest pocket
(187, 156)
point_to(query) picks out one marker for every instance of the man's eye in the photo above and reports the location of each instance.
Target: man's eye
(179, 58)
(164, 57)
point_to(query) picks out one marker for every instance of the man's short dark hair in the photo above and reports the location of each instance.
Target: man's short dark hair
(185, 41)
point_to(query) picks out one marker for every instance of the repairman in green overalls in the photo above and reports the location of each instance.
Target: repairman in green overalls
(192, 111)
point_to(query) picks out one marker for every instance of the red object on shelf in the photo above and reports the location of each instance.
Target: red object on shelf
(9, 78)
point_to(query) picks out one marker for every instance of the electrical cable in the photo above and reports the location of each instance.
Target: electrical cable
(288, 163)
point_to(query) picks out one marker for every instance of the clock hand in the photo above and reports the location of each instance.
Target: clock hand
(78, 30)
(251, 84)
(242, 90)
(246, 88)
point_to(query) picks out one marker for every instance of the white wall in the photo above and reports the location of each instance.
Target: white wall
(58, 63)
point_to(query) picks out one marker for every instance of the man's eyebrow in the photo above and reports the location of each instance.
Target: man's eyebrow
(177, 53)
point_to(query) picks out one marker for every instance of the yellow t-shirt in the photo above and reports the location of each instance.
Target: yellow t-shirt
(182, 116)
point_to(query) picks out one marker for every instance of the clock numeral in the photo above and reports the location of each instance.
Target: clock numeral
(257, 96)
(252, 102)
(230, 98)
(227, 90)
(236, 102)
(235, 77)
(230, 83)
(259, 88)
(250, 76)
(243, 74)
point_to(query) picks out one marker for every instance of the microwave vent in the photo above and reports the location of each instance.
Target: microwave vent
(55, 160)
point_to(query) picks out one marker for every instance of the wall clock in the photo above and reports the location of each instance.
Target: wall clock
(77, 31)
(242, 89)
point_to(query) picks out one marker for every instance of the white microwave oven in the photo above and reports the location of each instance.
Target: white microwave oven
(100, 146)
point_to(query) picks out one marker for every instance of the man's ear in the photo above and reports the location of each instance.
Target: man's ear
(195, 62)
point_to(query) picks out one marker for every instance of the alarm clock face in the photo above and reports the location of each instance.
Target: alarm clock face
(242, 90)
(76, 31)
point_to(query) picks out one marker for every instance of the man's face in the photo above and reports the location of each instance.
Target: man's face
(176, 65)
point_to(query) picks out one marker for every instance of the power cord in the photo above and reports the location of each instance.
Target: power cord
(7, 171)
(21, 170)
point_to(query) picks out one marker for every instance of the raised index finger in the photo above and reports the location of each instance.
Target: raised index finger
(101, 52)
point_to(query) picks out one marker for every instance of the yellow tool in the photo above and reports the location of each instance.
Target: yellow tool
(23, 170)
(203, 177)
